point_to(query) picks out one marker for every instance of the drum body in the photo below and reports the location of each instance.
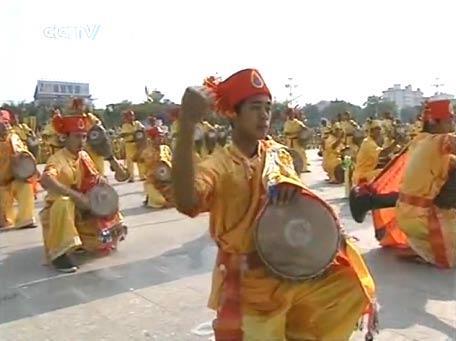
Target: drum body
(358, 137)
(100, 142)
(305, 137)
(298, 162)
(104, 200)
(23, 166)
(447, 196)
(298, 241)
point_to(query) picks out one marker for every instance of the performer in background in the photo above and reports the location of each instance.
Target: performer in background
(51, 139)
(155, 155)
(370, 153)
(426, 213)
(292, 129)
(251, 303)
(69, 219)
(332, 154)
(12, 186)
(129, 127)
(78, 106)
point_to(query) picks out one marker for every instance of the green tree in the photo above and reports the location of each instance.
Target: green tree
(375, 106)
(408, 114)
(312, 115)
(337, 107)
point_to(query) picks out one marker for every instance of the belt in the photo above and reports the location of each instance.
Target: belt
(413, 200)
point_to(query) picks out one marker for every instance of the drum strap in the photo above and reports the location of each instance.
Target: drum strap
(228, 324)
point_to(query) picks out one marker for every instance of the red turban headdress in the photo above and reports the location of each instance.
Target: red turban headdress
(71, 124)
(235, 89)
(438, 110)
(154, 132)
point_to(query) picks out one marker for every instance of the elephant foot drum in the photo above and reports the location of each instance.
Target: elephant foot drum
(23, 166)
(104, 200)
(298, 241)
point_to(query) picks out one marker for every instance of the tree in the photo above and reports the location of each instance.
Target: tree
(408, 114)
(312, 115)
(337, 107)
(375, 106)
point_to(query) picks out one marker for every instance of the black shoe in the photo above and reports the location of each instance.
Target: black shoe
(146, 201)
(64, 264)
(29, 226)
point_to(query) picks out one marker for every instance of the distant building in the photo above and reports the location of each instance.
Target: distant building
(51, 93)
(406, 97)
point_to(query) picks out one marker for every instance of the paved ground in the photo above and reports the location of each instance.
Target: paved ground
(155, 287)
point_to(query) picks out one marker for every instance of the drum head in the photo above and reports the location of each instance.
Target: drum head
(139, 135)
(298, 241)
(23, 166)
(95, 135)
(98, 139)
(163, 173)
(104, 200)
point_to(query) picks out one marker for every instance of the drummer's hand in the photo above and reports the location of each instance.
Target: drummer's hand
(81, 201)
(196, 103)
(282, 194)
(102, 180)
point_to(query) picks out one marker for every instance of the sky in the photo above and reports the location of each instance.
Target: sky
(332, 49)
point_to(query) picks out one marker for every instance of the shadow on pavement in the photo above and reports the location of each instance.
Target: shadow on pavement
(405, 288)
(47, 290)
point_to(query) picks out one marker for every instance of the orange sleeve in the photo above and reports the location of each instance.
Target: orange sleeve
(207, 173)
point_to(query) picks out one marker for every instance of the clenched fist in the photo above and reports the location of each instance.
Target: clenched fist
(196, 103)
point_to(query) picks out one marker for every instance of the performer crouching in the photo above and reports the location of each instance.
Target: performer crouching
(81, 210)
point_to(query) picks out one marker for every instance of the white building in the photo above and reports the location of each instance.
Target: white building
(406, 97)
(55, 92)
(441, 95)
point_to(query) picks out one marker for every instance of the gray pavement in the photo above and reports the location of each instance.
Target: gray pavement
(155, 287)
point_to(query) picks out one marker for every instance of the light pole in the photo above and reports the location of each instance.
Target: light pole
(290, 86)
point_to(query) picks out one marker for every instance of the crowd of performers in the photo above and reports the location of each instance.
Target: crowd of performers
(237, 173)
